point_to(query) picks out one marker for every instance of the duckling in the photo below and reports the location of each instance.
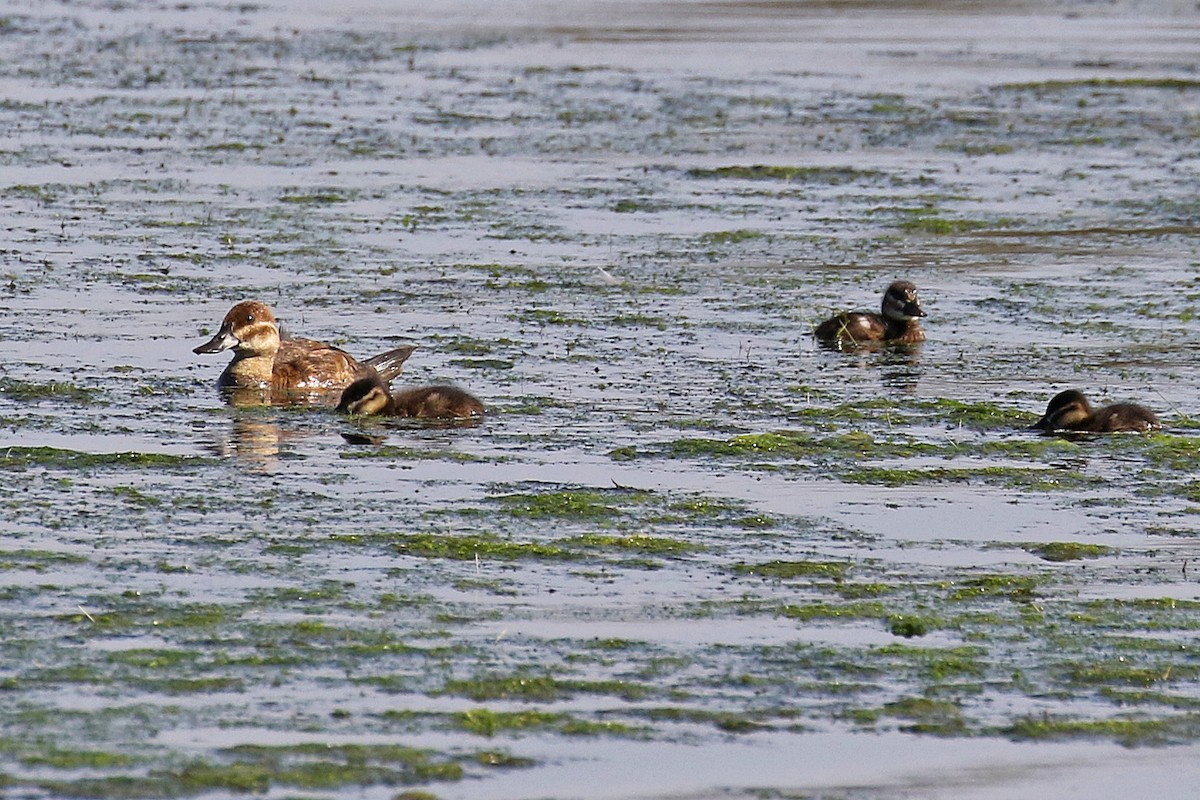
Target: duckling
(899, 321)
(262, 359)
(370, 396)
(1071, 411)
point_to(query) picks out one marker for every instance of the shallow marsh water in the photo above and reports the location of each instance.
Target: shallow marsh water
(690, 554)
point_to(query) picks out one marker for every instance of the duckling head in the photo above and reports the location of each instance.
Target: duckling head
(364, 397)
(1065, 409)
(248, 329)
(901, 303)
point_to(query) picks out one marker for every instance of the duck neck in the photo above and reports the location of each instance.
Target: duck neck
(249, 370)
(904, 330)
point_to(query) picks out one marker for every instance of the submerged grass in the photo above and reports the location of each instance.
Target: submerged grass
(1130, 731)
(792, 570)
(760, 172)
(579, 505)
(1068, 551)
(1177, 84)
(583, 548)
(260, 769)
(783, 445)
(928, 716)
(834, 611)
(57, 392)
(541, 688)
(472, 548)
(485, 722)
(1023, 477)
(22, 457)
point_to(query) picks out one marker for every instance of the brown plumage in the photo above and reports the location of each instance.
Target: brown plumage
(1070, 411)
(899, 320)
(262, 359)
(370, 396)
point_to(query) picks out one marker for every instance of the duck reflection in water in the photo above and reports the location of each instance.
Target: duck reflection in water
(256, 440)
(898, 366)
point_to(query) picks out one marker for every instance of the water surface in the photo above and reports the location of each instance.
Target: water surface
(690, 553)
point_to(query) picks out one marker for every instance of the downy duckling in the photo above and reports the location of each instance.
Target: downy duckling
(262, 359)
(370, 396)
(1070, 411)
(899, 320)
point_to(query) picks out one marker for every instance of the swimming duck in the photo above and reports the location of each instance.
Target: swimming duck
(262, 359)
(370, 396)
(899, 321)
(1070, 411)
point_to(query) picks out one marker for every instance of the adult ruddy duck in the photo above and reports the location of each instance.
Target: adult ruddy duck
(899, 321)
(262, 359)
(370, 396)
(1070, 411)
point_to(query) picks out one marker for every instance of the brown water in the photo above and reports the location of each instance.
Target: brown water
(692, 531)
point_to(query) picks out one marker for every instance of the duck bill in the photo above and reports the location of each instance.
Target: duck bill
(1043, 424)
(914, 310)
(224, 340)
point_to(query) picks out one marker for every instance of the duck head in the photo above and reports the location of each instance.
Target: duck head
(900, 302)
(248, 329)
(364, 397)
(1065, 409)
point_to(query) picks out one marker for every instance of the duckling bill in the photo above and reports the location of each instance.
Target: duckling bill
(898, 320)
(1071, 411)
(369, 396)
(263, 359)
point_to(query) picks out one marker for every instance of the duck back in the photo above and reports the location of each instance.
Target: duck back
(436, 402)
(308, 364)
(855, 326)
(1124, 417)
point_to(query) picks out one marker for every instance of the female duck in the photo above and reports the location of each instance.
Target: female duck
(899, 320)
(262, 359)
(1070, 411)
(370, 396)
